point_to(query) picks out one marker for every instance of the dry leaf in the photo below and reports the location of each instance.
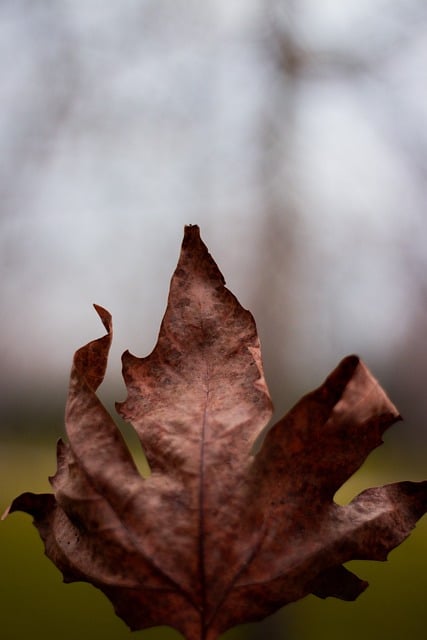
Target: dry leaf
(216, 536)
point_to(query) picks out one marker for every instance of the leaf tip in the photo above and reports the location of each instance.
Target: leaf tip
(105, 316)
(35, 504)
(338, 582)
(5, 513)
(192, 229)
(192, 237)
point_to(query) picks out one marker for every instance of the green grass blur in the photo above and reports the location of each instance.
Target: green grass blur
(35, 604)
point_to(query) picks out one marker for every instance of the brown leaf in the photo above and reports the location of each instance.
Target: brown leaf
(216, 535)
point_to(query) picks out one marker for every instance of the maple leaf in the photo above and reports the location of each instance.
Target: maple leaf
(217, 535)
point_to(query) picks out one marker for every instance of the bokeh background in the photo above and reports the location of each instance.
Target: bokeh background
(294, 132)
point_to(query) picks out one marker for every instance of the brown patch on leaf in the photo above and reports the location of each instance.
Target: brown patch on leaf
(216, 536)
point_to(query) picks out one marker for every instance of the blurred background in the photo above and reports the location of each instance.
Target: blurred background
(294, 132)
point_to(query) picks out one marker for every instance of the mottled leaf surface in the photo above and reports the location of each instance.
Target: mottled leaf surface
(216, 535)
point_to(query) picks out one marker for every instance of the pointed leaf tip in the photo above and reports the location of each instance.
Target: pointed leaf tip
(90, 361)
(105, 316)
(191, 229)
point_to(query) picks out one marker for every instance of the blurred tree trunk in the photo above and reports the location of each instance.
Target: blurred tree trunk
(274, 289)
